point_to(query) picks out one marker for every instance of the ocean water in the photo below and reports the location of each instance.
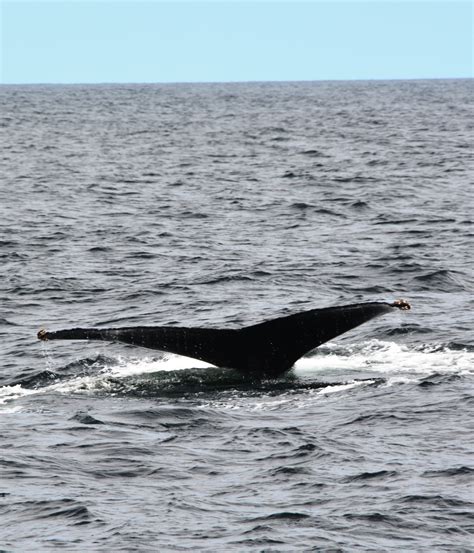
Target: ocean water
(224, 205)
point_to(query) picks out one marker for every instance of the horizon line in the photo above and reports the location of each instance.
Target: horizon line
(250, 81)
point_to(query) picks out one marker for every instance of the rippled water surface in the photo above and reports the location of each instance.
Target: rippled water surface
(225, 205)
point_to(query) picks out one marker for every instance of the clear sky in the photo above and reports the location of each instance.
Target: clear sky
(151, 41)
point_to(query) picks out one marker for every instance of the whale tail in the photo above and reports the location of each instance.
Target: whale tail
(265, 349)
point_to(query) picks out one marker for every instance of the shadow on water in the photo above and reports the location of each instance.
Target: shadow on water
(208, 381)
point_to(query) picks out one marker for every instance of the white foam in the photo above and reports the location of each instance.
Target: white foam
(9, 393)
(343, 387)
(387, 358)
(131, 367)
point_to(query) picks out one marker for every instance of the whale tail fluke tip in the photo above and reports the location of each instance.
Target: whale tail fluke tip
(401, 304)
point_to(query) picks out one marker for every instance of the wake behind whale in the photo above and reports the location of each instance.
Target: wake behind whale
(266, 349)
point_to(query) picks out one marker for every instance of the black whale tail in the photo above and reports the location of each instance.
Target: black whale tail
(269, 348)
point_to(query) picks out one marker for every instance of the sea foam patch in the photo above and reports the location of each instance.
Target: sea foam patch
(387, 358)
(10, 393)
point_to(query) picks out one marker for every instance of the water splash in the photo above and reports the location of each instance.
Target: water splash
(331, 369)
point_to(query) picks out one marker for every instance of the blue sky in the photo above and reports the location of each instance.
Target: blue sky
(119, 41)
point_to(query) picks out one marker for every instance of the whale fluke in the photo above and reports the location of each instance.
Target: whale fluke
(265, 349)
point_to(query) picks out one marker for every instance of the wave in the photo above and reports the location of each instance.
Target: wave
(443, 279)
(66, 508)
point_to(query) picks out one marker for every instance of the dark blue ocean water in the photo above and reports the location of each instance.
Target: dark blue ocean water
(225, 205)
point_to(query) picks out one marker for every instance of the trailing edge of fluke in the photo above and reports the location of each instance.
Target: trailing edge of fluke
(265, 349)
